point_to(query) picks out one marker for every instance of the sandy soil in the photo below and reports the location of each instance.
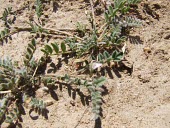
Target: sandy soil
(140, 99)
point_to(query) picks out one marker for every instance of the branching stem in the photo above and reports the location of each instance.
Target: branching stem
(50, 30)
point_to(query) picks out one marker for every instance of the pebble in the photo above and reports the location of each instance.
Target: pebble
(49, 102)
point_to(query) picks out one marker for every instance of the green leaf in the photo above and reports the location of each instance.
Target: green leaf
(63, 47)
(98, 101)
(44, 51)
(27, 56)
(100, 57)
(85, 83)
(117, 56)
(2, 33)
(106, 55)
(41, 103)
(31, 46)
(33, 42)
(15, 110)
(97, 107)
(6, 30)
(114, 54)
(55, 47)
(110, 10)
(120, 40)
(125, 10)
(3, 86)
(8, 119)
(29, 51)
(133, 1)
(40, 30)
(12, 114)
(96, 94)
(106, 17)
(50, 50)
(114, 12)
(100, 81)
(122, 4)
(90, 87)
(38, 8)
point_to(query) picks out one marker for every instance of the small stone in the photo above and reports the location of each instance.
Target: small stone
(72, 103)
(147, 50)
(42, 91)
(167, 36)
(46, 15)
(49, 102)
(45, 89)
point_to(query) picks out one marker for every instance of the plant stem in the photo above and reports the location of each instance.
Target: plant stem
(51, 31)
(94, 20)
(5, 92)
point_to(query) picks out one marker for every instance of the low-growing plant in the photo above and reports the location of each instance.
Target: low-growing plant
(5, 17)
(16, 86)
(97, 46)
(94, 87)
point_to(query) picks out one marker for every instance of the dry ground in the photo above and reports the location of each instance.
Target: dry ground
(139, 100)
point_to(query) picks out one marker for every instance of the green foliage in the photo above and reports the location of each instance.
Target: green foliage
(48, 82)
(96, 95)
(3, 108)
(95, 89)
(6, 63)
(9, 80)
(121, 5)
(38, 105)
(17, 82)
(71, 43)
(110, 14)
(114, 37)
(97, 102)
(5, 17)
(6, 12)
(63, 47)
(98, 45)
(81, 29)
(12, 116)
(54, 48)
(133, 1)
(39, 9)
(86, 45)
(4, 34)
(12, 78)
(9, 115)
(29, 54)
(7, 74)
(106, 57)
(131, 22)
(124, 5)
(37, 29)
